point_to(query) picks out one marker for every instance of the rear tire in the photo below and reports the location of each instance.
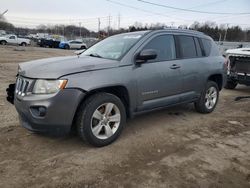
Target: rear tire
(100, 119)
(208, 99)
(83, 47)
(23, 44)
(231, 85)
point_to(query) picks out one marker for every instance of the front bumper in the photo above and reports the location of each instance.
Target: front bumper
(58, 110)
(241, 78)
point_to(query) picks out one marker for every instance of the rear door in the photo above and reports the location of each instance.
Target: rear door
(158, 80)
(73, 44)
(191, 62)
(78, 44)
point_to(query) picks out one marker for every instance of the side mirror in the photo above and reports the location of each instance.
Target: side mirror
(145, 55)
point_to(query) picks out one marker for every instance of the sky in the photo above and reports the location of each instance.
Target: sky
(31, 13)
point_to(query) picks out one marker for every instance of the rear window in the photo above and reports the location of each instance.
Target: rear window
(187, 47)
(207, 45)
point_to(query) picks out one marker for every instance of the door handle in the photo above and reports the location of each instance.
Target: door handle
(175, 66)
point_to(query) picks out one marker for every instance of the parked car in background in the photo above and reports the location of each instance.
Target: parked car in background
(90, 41)
(119, 77)
(52, 41)
(72, 44)
(48, 42)
(2, 32)
(238, 67)
(13, 39)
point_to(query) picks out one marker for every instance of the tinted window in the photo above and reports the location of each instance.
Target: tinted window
(164, 45)
(198, 47)
(12, 37)
(207, 44)
(187, 47)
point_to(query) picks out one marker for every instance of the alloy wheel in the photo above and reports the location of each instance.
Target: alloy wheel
(105, 121)
(211, 97)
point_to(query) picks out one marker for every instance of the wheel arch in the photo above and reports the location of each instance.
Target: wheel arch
(217, 78)
(3, 41)
(24, 43)
(118, 90)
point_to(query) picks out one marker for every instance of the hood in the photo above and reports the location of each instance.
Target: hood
(243, 52)
(53, 68)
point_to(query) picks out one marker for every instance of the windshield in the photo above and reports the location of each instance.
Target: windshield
(113, 47)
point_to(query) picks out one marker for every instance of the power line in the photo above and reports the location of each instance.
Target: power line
(77, 20)
(144, 10)
(191, 10)
(208, 4)
(202, 5)
(136, 8)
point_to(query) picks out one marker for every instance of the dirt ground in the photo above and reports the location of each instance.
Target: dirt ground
(176, 147)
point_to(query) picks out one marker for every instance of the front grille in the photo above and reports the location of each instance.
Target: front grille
(22, 86)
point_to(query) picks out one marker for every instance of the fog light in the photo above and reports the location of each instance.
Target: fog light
(42, 111)
(38, 111)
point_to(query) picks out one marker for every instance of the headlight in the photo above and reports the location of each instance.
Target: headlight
(48, 86)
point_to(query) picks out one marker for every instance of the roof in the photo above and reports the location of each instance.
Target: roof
(239, 52)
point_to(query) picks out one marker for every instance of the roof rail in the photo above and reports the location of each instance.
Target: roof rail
(180, 30)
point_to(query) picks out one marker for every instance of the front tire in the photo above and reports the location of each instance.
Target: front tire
(66, 47)
(3, 42)
(208, 99)
(100, 119)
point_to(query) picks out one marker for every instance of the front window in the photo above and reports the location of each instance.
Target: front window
(114, 47)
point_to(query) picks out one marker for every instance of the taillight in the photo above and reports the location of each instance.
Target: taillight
(227, 65)
(226, 62)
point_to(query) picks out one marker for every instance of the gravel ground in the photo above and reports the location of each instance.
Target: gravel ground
(176, 147)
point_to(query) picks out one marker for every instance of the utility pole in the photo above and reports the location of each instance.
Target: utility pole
(109, 22)
(1, 15)
(63, 31)
(119, 21)
(80, 29)
(4, 12)
(225, 36)
(99, 25)
(172, 24)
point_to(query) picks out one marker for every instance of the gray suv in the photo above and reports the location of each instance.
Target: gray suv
(118, 78)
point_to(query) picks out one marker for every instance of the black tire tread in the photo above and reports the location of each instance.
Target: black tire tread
(199, 104)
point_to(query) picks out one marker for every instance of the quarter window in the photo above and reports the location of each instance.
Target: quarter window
(164, 45)
(207, 44)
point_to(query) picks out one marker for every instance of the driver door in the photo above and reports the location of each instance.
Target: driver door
(158, 82)
(12, 39)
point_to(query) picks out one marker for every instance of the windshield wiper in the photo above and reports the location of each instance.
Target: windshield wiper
(95, 55)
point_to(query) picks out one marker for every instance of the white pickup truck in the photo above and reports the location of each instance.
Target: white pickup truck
(13, 39)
